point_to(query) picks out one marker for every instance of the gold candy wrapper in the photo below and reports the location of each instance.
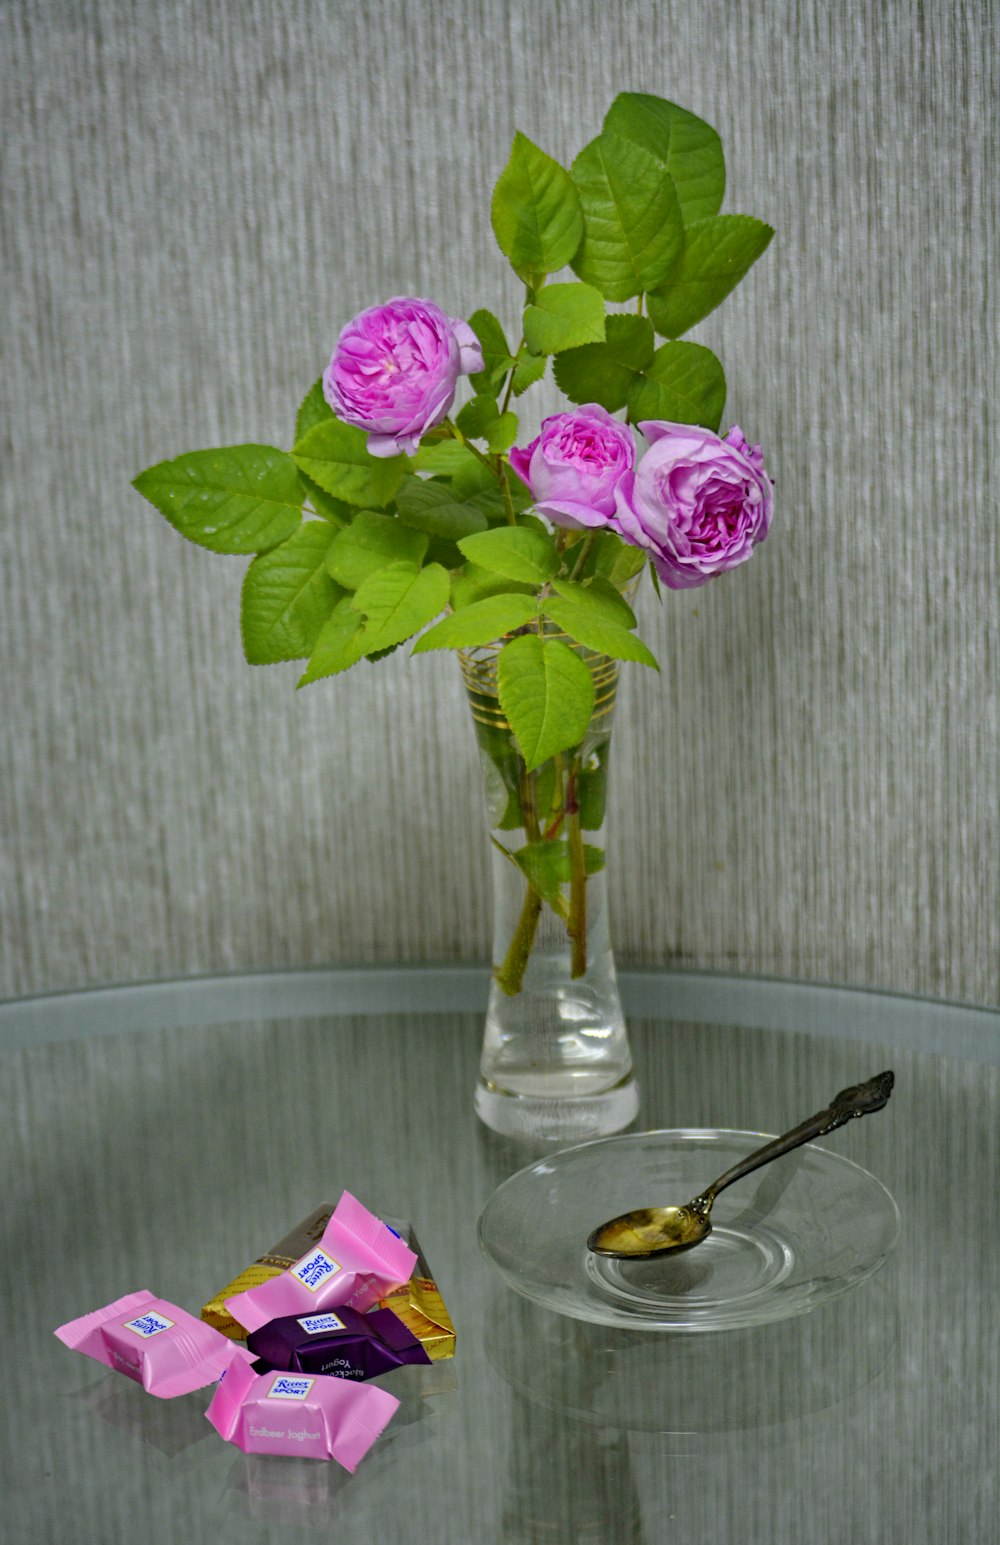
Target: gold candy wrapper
(284, 1254)
(419, 1304)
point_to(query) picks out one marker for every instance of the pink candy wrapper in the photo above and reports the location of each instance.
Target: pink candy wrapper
(288, 1413)
(358, 1260)
(161, 1347)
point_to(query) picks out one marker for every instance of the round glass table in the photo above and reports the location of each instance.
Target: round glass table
(163, 1136)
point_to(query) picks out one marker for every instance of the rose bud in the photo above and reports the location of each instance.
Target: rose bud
(575, 464)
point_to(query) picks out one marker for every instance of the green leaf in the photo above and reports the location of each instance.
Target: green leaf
(685, 384)
(432, 507)
(398, 601)
(339, 645)
(600, 597)
(449, 459)
(529, 369)
(613, 559)
(325, 505)
(238, 499)
(333, 454)
(717, 254)
(603, 372)
(368, 544)
(287, 597)
(517, 552)
(480, 623)
(491, 501)
(690, 149)
(314, 410)
(564, 316)
(633, 232)
(547, 695)
(502, 433)
(546, 865)
(536, 213)
(588, 627)
(497, 358)
(480, 419)
(475, 584)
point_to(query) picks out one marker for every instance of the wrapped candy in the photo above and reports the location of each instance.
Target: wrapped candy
(160, 1346)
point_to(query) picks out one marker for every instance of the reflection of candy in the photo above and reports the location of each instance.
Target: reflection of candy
(161, 1347)
(357, 1261)
(346, 1344)
(280, 1413)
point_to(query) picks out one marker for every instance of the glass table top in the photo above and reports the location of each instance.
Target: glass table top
(162, 1136)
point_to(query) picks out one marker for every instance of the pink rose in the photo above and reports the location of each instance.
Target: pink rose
(696, 503)
(395, 369)
(575, 464)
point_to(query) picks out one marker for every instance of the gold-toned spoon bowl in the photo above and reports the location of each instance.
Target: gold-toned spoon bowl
(650, 1231)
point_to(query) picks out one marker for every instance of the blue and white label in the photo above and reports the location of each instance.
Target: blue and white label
(314, 1269)
(286, 1388)
(149, 1325)
(314, 1324)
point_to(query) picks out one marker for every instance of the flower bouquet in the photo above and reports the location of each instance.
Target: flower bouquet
(395, 518)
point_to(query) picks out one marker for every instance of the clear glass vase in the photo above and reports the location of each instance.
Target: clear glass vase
(556, 1061)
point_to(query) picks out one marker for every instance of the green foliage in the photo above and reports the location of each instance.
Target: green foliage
(564, 316)
(633, 229)
(717, 254)
(604, 372)
(335, 456)
(497, 358)
(546, 865)
(238, 499)
(474, 584)
(529, 369)
(536, 214)
(689, 149)
(684, 384)
(599, 597)
(480, 419)
(287, 597)
(314, 410)
(587, 623)
(547, 695)
(516, 552)
(398, 601)
(432, 507)
(339, 646)
(369, 543)
(479, 623)
(613, 560)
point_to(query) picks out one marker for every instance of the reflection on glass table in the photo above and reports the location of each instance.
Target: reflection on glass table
(162, 1136)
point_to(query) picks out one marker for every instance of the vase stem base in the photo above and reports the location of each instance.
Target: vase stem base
(571, 1119)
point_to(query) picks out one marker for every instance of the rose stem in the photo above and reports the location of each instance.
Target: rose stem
(577, 926)
(509, 976)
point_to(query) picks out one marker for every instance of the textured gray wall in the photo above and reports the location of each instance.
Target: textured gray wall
(199, 194)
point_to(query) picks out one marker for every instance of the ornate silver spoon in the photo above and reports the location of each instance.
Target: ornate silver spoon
(652, 1231)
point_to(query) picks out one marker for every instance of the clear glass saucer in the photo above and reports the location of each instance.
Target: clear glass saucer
(799, 1232)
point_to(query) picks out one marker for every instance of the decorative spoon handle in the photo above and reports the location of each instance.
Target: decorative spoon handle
(858, 1100)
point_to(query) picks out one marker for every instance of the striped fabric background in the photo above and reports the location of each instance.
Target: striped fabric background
(198, 194)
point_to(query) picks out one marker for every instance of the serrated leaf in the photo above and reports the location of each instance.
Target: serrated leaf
(325, 505)
(547, 696)
(528, 369)
(314, 410)
(717, 255)
(398, 601)
(685, 384)
(517, 552)
(461, 466)
(603, 372)
(368, 544)
(594, 631)
(237, 499)
(502, 433)
(287, 596)
(689, 148)
(535, 213)
(477, 415)
(600, 596)
(334, 455)
(480, 623)
(546, 865)
(339, 645)
(476, 584)
(497, 358)
(633, 229)
(432, 507)
(564, 316)
(613, 559)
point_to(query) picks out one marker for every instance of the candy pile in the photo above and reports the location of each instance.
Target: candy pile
(357, 1302)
